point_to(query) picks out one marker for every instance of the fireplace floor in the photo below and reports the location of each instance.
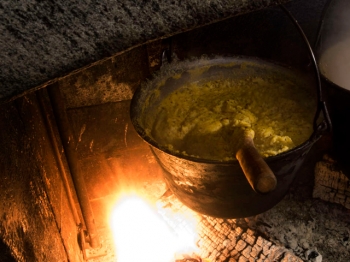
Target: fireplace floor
(220, 239)
(299, 228)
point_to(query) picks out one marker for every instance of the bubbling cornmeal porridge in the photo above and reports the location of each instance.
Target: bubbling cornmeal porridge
(206, 119)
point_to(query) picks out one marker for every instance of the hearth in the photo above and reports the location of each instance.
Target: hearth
(43, 214)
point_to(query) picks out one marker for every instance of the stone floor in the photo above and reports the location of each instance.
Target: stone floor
(299, 228)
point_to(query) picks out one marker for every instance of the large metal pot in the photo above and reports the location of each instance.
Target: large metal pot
(217, 188)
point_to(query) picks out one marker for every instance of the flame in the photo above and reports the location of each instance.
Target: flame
(141, 233)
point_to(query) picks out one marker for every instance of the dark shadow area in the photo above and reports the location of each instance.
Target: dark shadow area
(5, 253)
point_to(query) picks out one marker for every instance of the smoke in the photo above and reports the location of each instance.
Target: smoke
(334, 44)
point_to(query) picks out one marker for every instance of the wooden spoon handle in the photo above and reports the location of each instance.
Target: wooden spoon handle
(258, 173)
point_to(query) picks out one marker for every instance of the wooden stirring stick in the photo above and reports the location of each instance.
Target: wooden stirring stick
(258, 173)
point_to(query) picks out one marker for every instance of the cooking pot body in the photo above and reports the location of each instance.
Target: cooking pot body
(215, 188)
(222, 190)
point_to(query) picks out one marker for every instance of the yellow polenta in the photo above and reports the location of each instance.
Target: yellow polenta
(205, 119)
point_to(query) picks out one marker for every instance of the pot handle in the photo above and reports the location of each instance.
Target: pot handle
(259, 175)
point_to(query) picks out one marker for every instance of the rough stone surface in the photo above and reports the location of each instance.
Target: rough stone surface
(43, 40)
(115, 78)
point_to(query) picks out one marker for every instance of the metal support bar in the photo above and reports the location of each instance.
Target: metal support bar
(69, 145)
(50, 130)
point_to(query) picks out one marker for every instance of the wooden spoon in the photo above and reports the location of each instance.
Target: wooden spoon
(258, 173)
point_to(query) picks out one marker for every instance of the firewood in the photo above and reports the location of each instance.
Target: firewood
(330, 183)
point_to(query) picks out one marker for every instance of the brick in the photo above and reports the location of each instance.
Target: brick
(243, 259)
(262, 257)
(234, 253)
(255, 251)
(225, 252)
(250, 240)
(241, 245)
(219, 220)
(232, 236)
(246, 252)
(221, 258)
(213, 255)
(220, 247)
(218, 227)
(266, 249)
(250, 232)
(231, 221)
(231, 246)
(260, 241)
(239, 231)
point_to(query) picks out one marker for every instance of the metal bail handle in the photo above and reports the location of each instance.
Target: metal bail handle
(320, 126)
(326, 124)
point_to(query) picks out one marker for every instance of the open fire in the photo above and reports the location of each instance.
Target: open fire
(168, 231)
(143, 233)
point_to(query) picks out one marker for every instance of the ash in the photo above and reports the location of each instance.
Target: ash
(313, 229)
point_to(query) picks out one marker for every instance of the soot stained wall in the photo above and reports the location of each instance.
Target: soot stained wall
(36, 223)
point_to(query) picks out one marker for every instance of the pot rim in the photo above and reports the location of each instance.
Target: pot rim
(283, 155)
(188, 65)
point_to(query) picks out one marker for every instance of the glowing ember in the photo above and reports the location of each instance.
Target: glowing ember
(142, 234)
